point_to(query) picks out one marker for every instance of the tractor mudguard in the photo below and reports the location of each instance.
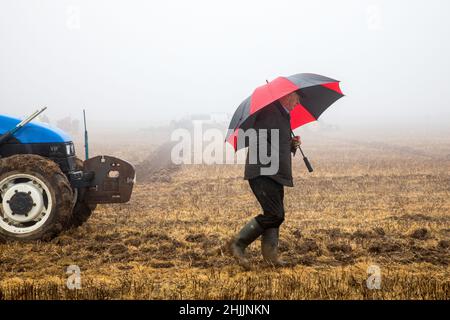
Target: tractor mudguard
(113, 180)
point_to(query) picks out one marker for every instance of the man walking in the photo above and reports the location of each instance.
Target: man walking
(268, 187)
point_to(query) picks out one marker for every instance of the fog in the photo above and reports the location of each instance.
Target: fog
(144, 63)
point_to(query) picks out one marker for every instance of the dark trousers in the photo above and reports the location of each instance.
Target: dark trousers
(269, 194)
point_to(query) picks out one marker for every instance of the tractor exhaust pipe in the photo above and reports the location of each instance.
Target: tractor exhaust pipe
(86, 140)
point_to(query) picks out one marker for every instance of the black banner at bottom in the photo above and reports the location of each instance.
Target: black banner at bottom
(213, 309)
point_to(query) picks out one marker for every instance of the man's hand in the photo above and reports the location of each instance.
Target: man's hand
(295, 144)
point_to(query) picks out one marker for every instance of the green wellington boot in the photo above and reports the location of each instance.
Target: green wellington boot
(249, 233)
(269, 247)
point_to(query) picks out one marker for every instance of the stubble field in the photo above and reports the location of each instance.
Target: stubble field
(369, 206)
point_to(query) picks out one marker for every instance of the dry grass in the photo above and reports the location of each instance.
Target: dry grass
(366, 203)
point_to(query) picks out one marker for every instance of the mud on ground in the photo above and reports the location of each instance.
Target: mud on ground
(360, 207)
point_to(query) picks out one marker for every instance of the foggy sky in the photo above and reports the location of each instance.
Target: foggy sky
(145, 62)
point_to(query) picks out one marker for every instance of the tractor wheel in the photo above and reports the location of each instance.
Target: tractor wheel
(36, 199)
(82, 210)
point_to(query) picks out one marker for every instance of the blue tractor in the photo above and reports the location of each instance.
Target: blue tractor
(45, 188)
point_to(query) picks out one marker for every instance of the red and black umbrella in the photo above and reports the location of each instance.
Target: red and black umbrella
(316, 93)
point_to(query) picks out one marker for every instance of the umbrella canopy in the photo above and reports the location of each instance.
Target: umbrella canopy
(316, 93)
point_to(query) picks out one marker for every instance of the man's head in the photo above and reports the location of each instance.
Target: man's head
(290, 101)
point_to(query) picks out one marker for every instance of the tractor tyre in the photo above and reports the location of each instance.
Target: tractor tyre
(36, 198)
(82, 210)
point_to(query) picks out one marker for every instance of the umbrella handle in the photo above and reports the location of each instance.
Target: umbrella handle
(305, 159)
(308, 165)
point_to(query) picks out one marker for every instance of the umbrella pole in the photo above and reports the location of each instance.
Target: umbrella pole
(305, 159)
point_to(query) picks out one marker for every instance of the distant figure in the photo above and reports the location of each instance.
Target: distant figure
(268, 188)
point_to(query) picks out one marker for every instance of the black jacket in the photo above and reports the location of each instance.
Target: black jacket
(273, 116)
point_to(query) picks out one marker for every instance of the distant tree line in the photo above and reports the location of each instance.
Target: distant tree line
(67, 124)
